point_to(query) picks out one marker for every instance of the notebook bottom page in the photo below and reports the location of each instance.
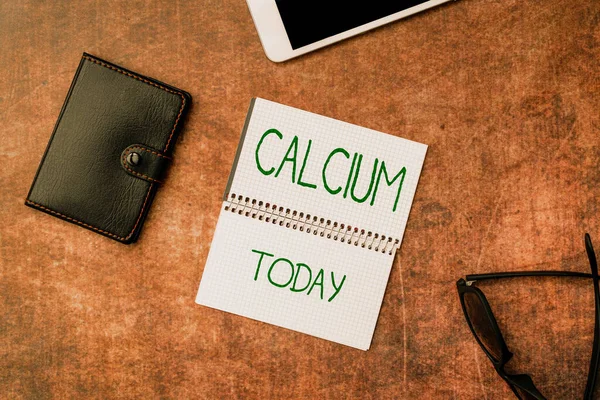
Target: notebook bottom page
(294, 279)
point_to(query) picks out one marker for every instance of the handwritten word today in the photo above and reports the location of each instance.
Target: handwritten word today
(283, 273)
(290, 158)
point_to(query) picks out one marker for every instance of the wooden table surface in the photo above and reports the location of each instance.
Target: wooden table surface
(505, 93)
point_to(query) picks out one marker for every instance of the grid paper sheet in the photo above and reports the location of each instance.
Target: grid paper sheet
(327, 134)
(228, 280)
(295, 279)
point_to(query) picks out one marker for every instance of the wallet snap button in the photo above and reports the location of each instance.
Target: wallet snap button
(134, 159)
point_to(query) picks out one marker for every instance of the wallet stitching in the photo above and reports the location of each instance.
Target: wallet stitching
(152, 84)
(149, 151)
(172, 130)
(151, 183)
(124, 163)
(91, 226)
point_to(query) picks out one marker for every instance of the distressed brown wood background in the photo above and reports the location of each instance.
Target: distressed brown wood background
(505, 92)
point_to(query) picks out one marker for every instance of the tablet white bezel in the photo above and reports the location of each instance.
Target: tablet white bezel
(276, 44)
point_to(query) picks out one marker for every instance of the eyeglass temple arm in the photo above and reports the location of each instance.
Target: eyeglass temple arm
(595, 360)
(499, 275)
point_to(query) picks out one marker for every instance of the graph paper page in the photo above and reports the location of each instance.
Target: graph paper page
(233, 280)
(341, 177)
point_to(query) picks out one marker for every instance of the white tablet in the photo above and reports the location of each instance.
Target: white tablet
(289, 28)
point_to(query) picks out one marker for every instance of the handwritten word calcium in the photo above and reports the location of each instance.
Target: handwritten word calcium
(378, 171)
(297, 276)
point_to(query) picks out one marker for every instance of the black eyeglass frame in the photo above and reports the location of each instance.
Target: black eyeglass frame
(524, 382)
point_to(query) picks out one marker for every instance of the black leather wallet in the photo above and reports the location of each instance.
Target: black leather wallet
(109, 150)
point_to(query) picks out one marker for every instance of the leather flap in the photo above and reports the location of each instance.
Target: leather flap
(144, 162)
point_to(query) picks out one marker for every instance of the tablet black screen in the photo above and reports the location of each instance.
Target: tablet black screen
(308, 21)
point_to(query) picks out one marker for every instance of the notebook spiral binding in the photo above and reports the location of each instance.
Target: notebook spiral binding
(310, 224)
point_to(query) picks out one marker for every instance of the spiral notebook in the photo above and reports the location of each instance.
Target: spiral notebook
(311, 219)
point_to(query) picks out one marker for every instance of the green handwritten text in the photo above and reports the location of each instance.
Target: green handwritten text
(337, 164)
(283, 273)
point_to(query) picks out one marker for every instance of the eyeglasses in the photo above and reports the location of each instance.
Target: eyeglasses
(484, 327)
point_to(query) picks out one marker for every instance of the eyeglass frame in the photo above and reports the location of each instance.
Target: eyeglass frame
(465, 286)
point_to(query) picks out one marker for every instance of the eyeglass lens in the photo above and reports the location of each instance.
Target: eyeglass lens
(482, 325)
